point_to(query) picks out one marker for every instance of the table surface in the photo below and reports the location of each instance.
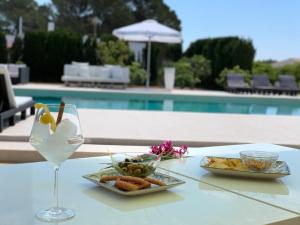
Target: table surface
(284, 192)
(203, 199)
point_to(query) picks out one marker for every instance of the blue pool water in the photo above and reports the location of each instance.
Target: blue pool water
(125, 100)
(233, 105)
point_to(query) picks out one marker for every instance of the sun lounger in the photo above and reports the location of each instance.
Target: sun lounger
(287, 84)
(9, 104)
(236, 83)
(262, 84)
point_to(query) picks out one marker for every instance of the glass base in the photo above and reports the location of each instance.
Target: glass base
(55, 214)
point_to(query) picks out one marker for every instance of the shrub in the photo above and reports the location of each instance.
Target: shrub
(291, 69)
(191, 71)
(137, 74)
(221, 80)
(184, 74)
(115, 53)
(201, 67)
(224, 52)
(3, 50)
(265, 68)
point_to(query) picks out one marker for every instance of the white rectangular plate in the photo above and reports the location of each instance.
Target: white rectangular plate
(281, 169)
(168, 180)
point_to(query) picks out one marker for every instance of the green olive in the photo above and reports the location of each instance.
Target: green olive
(130, 166)
(141, 166)
(137, 172)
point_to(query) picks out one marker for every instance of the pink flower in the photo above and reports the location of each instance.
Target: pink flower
(167, 150)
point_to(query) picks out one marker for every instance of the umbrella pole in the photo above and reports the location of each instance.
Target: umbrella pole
(148, 64)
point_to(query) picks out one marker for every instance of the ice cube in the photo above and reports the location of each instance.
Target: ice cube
(56, 140)
(40, 132)
(66, 128)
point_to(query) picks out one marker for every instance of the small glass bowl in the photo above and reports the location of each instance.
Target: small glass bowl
(258, 160)
(135, 164)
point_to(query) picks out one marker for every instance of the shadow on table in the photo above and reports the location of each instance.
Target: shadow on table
(275, 187)
(131, 203)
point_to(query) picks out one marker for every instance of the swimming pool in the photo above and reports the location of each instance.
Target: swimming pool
(168, 102)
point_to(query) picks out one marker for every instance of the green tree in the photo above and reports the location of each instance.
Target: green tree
(77, 15)
(35, 17)
(113, 14)
(72, 15)
(154, 9)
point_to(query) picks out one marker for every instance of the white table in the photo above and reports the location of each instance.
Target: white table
(25, 188)
(283, 193)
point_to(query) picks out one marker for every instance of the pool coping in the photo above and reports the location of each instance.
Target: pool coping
(56, 91)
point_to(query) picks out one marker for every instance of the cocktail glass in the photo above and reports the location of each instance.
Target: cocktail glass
(56, 143)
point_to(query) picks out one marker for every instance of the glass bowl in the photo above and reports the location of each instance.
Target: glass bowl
(258, 160)
(135, 164)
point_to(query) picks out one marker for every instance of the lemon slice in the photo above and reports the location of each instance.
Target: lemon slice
(46, 118)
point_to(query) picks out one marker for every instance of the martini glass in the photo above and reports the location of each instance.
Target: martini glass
(56, 144)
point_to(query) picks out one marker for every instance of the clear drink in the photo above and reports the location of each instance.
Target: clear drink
(56, 141)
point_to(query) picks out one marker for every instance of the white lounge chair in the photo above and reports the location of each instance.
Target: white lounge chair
(81, 73)
(9, 103)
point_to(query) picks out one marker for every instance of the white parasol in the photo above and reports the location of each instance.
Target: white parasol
(148, 31)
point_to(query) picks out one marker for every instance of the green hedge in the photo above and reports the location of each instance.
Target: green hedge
(3, 50)
(47, 52)
(89, 51)
(224, 52)
(16, 52)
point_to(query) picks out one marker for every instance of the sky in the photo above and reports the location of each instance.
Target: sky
(272, 25)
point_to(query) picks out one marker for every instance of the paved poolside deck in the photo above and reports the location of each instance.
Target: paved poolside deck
(145, 128)
(194, 129)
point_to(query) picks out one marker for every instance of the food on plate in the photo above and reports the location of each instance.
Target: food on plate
(258, 165)
(130, 183)
(155, 181)
(137, 166)
(140, 182)
(226, 163)
(126, 186)
(106, 178)
(258, 160)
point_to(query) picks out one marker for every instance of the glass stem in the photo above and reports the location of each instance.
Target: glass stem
(55, 193)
